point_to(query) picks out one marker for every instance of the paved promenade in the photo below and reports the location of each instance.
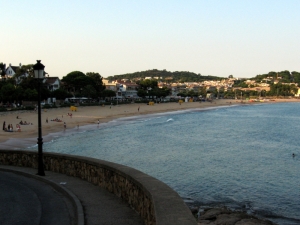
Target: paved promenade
(58, 199)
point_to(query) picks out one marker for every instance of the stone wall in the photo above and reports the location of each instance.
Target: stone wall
(156, 203)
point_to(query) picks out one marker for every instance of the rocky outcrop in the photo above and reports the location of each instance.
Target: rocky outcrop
(224, 216)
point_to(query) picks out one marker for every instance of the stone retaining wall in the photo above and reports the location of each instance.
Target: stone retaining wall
(156, 203)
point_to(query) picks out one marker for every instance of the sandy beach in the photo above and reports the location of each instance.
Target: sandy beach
(88, 115)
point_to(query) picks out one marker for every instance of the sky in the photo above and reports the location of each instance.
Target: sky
(243, 38)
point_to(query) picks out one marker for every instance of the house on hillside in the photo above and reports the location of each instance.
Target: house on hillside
(10, 71)
(129, 89)
(110, 85)
(52, 83)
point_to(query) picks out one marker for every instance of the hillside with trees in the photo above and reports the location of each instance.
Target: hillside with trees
(166, 76)
(283, 77)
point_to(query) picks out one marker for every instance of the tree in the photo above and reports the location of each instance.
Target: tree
(89, 91)
(98, 83)
(30, 94)
(108, 93)
(182, 94)
(60, 94)
(7, 92)
(2, 69)
(29, 82)
(148, 84)
(18, 93)
(165, 92)
(142, 93)
(25, 69)
(76, 80)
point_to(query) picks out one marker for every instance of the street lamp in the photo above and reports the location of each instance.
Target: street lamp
(39, 74)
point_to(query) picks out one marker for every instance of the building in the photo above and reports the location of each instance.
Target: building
(52, 83)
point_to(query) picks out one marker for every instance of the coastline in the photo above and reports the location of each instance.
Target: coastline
(89, 115)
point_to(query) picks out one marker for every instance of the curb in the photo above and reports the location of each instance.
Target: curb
(79, 220)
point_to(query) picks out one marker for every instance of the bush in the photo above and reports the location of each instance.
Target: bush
(30, 107)
(48, 106)
(65, 104)
(2, 109)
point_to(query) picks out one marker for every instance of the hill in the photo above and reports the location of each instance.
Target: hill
(164, 75)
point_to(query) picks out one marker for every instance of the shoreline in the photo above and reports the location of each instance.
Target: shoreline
(89, 115)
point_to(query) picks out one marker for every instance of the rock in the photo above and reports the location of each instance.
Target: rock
(253, 221)
(194, 210)
(211, 214)
(230, 219)
(224, 216)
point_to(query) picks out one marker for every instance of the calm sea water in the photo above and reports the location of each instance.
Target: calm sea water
(238, 156)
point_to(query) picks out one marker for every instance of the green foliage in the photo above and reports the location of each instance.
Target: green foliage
(108, 93)
(24, 69)
(296, 77)
(282, 90)
(7, 92)
(142, 93)
(240, 83)
(48, 106)
(98, 83)
(3, 109)
(60, 94)
(182, 94)
(167, 76)
(30, 94)
(89, 85)
(147, 84)
(76, 80)
(29, 82)
(282, 77)
(89, 91)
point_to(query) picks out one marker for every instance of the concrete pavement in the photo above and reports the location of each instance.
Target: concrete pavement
(58, 199)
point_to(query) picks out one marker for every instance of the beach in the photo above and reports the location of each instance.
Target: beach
(53, 119)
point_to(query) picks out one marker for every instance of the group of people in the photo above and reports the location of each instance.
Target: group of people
(55, 120)
(10, 127)
(25, 123)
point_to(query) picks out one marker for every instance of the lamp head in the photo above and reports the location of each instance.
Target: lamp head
(38, 70)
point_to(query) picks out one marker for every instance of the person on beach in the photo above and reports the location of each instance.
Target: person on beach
(65, 125)
(18, 127)
(138, 109)
(4, 125)
(98, 122)
(47, 120)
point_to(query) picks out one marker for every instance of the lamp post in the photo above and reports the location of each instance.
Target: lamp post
(39, 74)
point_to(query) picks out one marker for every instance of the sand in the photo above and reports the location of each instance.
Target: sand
(88, 115)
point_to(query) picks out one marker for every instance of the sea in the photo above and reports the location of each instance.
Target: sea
(238, 156)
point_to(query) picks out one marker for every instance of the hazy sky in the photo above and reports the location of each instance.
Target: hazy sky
(239, 37)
